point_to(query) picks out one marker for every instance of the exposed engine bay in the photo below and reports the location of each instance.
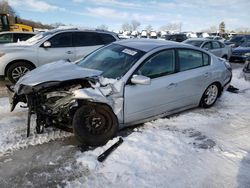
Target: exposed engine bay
(54, 103)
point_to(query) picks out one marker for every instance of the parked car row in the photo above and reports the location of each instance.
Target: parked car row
(121, 84)
(216, 47)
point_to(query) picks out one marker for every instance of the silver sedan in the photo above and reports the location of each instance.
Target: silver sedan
(216, 47)
(122, 84)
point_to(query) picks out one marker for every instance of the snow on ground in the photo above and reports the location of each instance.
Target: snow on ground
(196, 148)
(13, 130)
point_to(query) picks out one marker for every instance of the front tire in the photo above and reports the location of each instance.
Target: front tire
(94, 125)
(210, 96)
(17, 70)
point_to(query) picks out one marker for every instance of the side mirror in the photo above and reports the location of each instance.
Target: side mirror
(46, 44)
(139, 79)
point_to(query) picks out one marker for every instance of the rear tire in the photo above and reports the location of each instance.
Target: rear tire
(94, 125)
(17, 70)
(210, 96)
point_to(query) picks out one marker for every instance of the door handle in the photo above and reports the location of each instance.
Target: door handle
(171, 85)
(69, 52)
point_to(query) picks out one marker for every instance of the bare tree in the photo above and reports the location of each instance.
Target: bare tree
(172, 27)
(103, 27)
(126, 27)
(5, 8)
(135, 24)
(149, 28)
(243, 30)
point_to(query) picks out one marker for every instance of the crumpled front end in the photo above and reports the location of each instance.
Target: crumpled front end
(55, 103)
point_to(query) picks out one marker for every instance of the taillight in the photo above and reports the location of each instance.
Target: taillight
(226, 63)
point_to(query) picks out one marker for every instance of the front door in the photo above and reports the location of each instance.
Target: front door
(144, 101)
(216, 49)
(61, 49)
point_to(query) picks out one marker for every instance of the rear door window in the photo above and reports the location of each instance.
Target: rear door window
(106, 38)
(86, 39)
(191, 59)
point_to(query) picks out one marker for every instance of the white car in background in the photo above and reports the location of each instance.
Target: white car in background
(59, 44)
(216, 38)
(215, 47)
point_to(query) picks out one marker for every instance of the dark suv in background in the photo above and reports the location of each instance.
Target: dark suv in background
(176, 37)
(238, 40)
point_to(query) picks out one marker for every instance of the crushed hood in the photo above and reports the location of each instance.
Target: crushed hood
(55, 72)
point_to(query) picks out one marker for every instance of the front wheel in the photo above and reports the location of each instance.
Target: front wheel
(210, 96)
(17, 70)
(94, 125)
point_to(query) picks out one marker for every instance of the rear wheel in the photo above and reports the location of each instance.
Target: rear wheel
(17, 70)
(210, 96)
(94, 125)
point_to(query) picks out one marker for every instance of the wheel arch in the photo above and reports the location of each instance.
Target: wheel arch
(16, 61)
(95, 103)
(220, 87)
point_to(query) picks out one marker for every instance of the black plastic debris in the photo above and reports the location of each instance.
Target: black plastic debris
(233, 89)
(106, 153)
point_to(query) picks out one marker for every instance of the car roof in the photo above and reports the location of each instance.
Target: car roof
(19, 32)
(147, 45)
(199, 39)
(53, 31)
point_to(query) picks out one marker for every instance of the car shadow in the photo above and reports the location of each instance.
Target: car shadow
(243, 177)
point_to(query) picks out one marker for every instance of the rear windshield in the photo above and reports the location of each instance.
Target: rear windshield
(194, 42)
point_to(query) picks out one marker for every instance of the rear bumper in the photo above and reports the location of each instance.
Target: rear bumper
(227, 84)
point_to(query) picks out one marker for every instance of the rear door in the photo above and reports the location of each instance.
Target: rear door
(193, 76)
(85, 43)
(61, 49)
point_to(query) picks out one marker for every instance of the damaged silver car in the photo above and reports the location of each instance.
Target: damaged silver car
(122, 84)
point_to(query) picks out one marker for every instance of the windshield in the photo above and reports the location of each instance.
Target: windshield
(114, 60)
(35, 39)
(236, 39)
(246, 44)
(194, 42)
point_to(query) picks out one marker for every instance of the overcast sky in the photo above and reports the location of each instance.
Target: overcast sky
(194, 15)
